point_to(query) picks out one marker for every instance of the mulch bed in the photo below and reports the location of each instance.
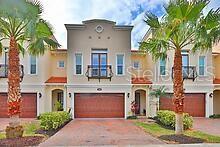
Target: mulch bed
(182, 139)
(23, 141)
(51, 132)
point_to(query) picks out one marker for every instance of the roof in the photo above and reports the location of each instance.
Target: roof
(57, 80)
(216, 81)
(98, 20)
(140, 80)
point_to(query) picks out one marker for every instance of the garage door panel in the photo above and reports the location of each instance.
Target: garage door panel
(99, 105)
(194, 104)
(28, 105)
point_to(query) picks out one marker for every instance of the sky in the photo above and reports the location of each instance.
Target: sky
(123, 12)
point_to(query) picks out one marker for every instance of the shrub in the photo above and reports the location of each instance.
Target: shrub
(214, 116)
(53, 120)
(167, 118)
(132, 117)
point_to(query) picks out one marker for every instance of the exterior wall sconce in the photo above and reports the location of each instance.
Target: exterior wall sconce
(70, 95)
(40, 95)
(128, 95)
(211, 95)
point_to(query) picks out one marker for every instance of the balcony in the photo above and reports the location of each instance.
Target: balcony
(4, 71)
(99, 72)
(189, 72)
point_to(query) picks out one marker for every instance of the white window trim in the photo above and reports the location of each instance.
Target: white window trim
(116, 65)
(58, 64)
(74, 61)
(205, 65)
(165, 68)
(29, 66)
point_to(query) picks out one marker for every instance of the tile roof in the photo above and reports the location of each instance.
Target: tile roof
(140, 80)
(216, 81)
(57, 80)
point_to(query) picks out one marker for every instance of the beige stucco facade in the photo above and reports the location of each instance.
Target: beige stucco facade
(115, 40)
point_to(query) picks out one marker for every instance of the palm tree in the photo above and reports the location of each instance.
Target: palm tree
(161, 91)
(21, 23)
(184, 23)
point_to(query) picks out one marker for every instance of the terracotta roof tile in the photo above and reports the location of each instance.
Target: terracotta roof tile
(216, 81)
(140, 80)
(57, 80)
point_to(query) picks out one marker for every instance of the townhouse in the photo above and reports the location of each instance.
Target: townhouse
(99, 76)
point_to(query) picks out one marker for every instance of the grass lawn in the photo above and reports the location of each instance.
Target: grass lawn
(29, 129)
(157, 131)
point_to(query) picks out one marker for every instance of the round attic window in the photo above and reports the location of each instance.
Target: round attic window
(99, 29)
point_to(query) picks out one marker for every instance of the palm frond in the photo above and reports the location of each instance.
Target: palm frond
(21, 49)
(152, 20)
(161, 91)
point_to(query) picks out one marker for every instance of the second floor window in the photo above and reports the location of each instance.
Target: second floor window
(202, 65)
(78, 62)
(61, 64)
(136, 64)
(120, 65)
(33, 65)
(162, 67)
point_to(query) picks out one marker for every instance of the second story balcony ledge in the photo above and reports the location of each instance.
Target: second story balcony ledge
(189, 72)
(99, 72)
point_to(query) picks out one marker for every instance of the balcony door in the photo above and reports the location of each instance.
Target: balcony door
(99, 64)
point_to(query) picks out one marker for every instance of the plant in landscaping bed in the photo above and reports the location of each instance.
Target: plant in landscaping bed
(214, 116)
(167, 118)
(53, 120)
(20, 23)
(59, 106)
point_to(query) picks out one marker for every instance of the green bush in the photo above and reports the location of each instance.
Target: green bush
(132, 117)
(214, 116)
(167, 118)
(53, 120)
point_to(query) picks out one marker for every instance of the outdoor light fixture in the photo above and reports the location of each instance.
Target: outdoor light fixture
(128, 95)
(40, 95)
(70, 95)
(211, 95)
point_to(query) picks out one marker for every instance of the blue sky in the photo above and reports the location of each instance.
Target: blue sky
(123, 12)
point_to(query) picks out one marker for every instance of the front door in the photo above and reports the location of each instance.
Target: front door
(99, 64)
(137, 101)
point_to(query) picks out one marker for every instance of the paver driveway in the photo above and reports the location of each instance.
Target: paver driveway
(207, 125)
(100, 132)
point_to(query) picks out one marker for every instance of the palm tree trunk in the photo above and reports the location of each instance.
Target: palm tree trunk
(178, 91)
(14, 94)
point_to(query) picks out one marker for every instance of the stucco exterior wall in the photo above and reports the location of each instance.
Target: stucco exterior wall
(84, 39)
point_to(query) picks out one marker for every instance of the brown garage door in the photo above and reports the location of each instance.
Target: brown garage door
(28, 105)
(194, 104)
(95, 105)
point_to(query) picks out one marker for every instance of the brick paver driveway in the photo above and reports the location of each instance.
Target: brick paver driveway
(100, 132)
(210, 126)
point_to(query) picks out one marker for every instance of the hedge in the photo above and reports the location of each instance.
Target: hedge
(167, 118)
(214, 116)
(53, 120)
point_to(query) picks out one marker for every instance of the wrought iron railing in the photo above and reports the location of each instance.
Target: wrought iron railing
(99, 72)
(4, 71)
(189, 72)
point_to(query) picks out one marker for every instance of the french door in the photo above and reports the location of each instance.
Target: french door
(99, 64)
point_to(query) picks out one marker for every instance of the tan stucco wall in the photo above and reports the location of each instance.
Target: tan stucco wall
(79, 42)
(216, 65)
(55, 70)
(216, 102)
(146, 65)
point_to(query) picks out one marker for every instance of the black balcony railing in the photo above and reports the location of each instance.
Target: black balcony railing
(99, 72)
(4, 71)
(189, 72)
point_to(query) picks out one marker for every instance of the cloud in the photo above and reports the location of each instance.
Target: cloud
(128, 12)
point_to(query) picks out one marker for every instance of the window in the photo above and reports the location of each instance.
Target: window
(33, 65)
(202, 65)
(78, 62)
(99, 64)
(120, 65)
(61, 64)
(136, 64)
(185, 63)
(162, 67)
